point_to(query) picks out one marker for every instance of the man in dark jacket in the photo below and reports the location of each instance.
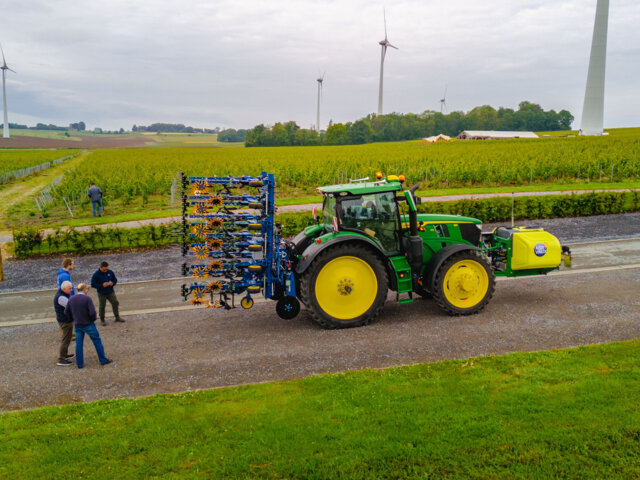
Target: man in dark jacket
(95, 195)
(104, 280)
(60, 301)
(81, 310)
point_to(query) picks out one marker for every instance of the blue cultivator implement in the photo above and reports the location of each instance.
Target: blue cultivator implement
(234, 251)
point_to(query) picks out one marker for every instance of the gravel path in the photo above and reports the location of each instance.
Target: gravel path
(178, 351)
(38, 274)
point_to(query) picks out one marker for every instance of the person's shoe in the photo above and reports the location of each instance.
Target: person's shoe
(71, 355)
(79, 366)
(119, 319)
(63, 363)
(107, 362)
(102, 322)
(73, 337)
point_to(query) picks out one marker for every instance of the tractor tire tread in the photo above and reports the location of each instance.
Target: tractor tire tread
(438, 294)
(306, 284)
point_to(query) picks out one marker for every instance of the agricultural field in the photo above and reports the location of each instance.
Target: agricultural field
(130, 172)
(138, 181)
(11, 160)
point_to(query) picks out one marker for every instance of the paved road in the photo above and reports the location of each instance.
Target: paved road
(157, 296)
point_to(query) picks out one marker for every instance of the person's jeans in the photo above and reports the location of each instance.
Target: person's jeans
(102, 303)
(92, 331)
(99, 204)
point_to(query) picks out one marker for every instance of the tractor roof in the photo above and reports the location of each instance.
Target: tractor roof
(362, 188)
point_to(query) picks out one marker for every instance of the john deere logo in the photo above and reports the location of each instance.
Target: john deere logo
(540, 249)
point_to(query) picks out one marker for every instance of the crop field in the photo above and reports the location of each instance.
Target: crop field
(11, 160)
(135, 172)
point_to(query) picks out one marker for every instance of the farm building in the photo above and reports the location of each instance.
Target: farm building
(493, 134)
(437, 138)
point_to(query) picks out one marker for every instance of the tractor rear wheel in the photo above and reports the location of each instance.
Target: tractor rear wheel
(345, 286)
(464, 283)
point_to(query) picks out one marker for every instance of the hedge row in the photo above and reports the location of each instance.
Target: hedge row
(29, 242)
(498, 209)
(35, 242)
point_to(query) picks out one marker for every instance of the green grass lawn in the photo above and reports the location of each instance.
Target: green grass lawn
(560, 414)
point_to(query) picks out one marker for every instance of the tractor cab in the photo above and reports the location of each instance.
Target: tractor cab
(366, 208)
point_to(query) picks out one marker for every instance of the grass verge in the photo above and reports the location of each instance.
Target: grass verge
(560, 414)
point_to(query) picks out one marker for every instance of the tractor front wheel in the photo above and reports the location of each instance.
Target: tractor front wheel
(464, 283)
(345, 286)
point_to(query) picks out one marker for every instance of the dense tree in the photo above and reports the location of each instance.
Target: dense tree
(397, 127)
(337, 135)
(231, 135)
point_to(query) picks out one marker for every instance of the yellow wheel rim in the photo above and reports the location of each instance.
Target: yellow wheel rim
(465, 284)
(346, 287)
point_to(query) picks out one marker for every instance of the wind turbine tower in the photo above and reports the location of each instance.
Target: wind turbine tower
(320, 80)
(5, 130)
(384, 44)
(593, 110)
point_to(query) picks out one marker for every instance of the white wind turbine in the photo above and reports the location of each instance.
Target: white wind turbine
(319, 80)
(443, 102)
(384, 43)
(593, 110)
(4, 67)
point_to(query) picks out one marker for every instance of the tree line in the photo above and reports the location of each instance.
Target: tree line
(171, 128)
(411, 126)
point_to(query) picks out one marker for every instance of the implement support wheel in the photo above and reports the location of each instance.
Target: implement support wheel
(464, 284)
(345, 286)
(288, 307)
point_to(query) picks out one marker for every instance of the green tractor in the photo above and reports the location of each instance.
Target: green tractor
(371, 240)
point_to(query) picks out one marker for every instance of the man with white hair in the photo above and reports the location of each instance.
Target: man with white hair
(65, 323)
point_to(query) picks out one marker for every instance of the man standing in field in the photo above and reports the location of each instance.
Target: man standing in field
(81, 310)
(60, 301)
(103, 281)
(95, 194)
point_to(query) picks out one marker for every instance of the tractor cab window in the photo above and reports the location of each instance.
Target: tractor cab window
(375, 215)
(328, 212)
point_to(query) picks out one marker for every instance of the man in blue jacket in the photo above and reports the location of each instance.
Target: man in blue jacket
(104, 280)
(81, 310)
(64, 274)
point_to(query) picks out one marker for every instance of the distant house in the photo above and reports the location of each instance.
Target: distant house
(493, 134)
(437, 138)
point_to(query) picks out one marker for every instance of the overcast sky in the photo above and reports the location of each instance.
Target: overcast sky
(238, 63)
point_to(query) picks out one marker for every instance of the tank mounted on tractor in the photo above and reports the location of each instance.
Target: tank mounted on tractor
(371, 239)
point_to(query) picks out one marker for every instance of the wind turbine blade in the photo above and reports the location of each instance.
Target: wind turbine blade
(11, 70)
(384, 15)
(392, 46)
(4, 62)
